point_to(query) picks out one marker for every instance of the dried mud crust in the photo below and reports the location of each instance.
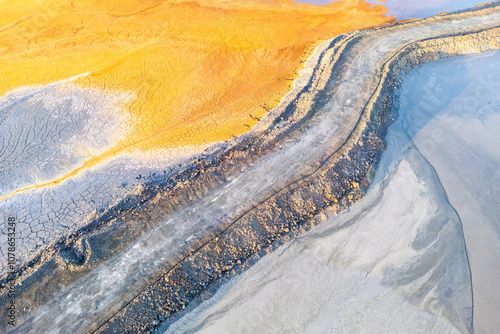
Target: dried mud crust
(336, 178)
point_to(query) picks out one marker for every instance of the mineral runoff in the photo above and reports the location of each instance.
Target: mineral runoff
(193, 72)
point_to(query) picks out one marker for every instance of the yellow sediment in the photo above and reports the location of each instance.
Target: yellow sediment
(200, 71)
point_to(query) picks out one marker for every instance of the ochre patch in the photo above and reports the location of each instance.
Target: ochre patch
(197, 71)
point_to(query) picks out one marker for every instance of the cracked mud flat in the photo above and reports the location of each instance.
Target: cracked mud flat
(187, 232)
(105, 124)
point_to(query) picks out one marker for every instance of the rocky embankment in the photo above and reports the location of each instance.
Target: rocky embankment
(164, 249)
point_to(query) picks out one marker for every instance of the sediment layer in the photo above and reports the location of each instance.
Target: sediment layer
(313, 155)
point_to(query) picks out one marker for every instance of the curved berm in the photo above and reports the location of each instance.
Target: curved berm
(167, 242)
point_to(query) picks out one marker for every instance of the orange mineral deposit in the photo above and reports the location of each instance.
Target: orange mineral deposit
(198, 71)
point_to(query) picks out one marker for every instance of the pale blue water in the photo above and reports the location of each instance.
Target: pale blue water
(408, 9)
